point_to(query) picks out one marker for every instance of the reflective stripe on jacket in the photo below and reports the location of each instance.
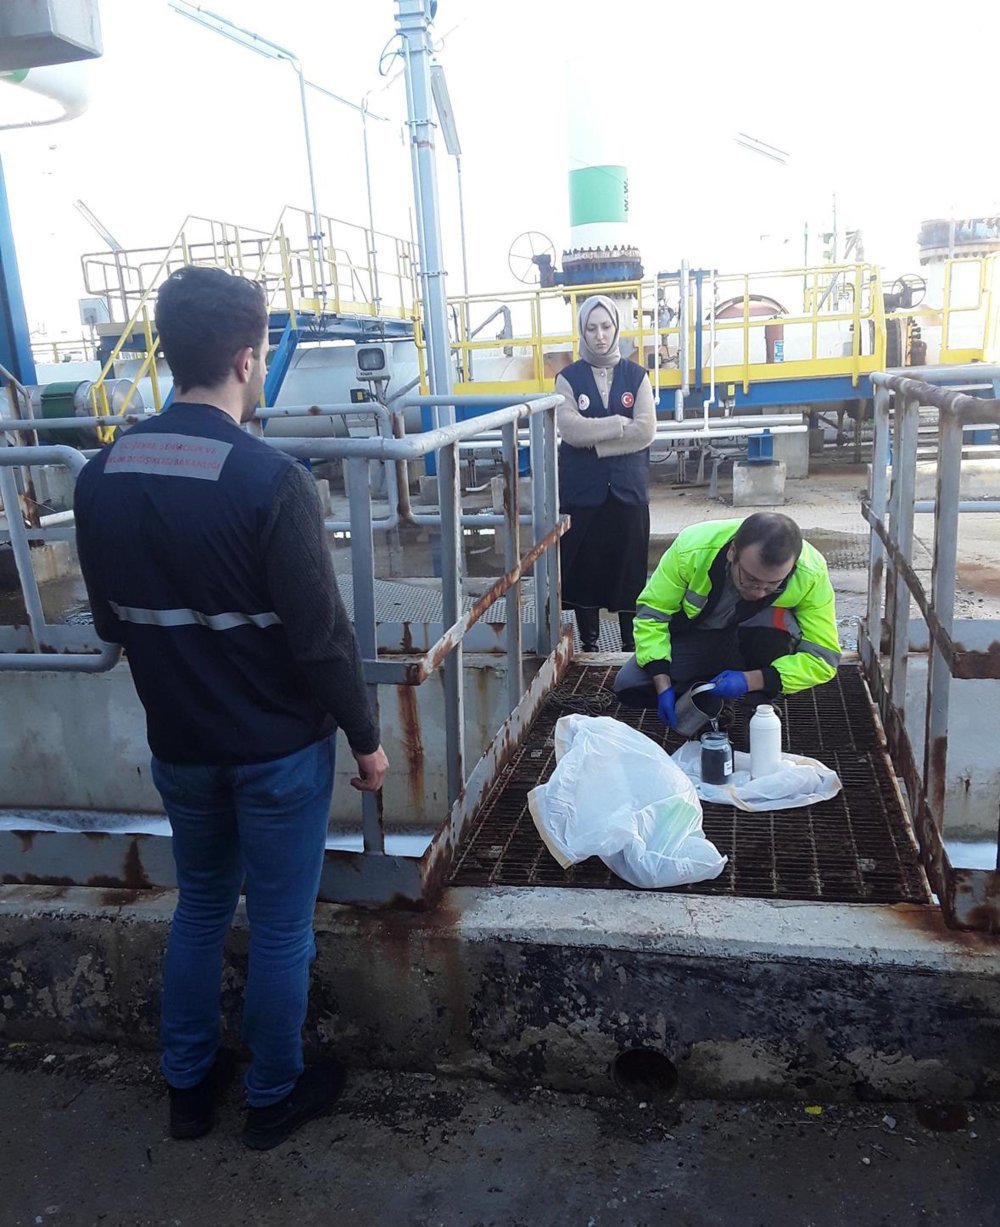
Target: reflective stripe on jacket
(170, 520)
(683, 584)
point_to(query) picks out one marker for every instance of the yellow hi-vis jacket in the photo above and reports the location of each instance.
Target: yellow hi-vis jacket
(694, 569)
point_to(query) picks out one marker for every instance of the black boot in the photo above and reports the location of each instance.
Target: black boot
(625, 629)
(192, 1110)
(588, 623)
(312, 1096)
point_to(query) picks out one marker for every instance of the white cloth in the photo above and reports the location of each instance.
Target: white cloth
(800, 781)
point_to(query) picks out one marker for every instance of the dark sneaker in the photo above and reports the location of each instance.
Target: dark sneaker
(192, 1110)
(315, 1093)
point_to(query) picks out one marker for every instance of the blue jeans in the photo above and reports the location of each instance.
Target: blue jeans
(265, 823)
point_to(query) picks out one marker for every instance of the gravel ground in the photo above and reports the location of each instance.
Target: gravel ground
(84, 1142)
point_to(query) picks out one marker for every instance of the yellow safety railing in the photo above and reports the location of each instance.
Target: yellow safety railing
(831, 318)
(841, 301)
(138, 274)
(831, 321)
(123, 278)
(961, 325)
(537, 338)
(354, 271)
(541, 337)
(991, 341)
(100, 402)
(360, 271)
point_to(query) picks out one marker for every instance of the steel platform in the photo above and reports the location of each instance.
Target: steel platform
(856, 848)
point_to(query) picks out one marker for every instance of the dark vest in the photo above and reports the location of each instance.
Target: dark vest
(585, 479)
(173, 512)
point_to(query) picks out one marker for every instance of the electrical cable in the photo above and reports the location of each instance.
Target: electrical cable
(385, 56)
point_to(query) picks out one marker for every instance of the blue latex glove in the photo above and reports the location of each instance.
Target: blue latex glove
(730, 684)
(666, 705)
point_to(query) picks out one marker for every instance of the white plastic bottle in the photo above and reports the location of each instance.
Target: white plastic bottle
(765, 741)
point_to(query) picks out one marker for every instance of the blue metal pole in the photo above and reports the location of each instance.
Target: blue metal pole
(413, 23)
(15, 342)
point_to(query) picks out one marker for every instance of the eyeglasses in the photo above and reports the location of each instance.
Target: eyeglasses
(753, 584)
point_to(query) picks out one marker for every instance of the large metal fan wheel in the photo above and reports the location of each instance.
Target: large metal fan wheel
(915, 284)
(522, 253)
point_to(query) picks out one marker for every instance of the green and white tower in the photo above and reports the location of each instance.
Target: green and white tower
(599, 246)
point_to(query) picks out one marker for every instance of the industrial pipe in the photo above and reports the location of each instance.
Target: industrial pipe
(414, 447)
(471, 400)
(685, 328)
(74, 423)
(927, 506)
(413, 22)
(711, 334)
(970, 373)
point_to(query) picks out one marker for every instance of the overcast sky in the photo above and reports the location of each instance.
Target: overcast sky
(874, 101)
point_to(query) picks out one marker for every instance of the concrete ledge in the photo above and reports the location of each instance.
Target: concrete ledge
(979, 479)
(744, 997)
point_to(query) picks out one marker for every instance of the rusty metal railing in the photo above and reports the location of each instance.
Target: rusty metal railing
(446, 654)
(970, 898)
(375, 875)
(43, 646)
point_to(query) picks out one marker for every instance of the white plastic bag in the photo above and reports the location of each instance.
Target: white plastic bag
(615, 794)
(800, 781)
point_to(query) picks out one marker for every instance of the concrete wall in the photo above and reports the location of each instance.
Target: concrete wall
(744, 997)
(78, 741)
(979, 479)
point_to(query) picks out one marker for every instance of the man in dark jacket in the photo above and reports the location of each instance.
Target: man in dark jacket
(204, 555)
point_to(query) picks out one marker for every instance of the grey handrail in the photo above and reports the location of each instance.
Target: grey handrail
(43, 658)
(969, 897)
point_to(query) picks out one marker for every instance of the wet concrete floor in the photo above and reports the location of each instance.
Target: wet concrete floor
(84, 1143)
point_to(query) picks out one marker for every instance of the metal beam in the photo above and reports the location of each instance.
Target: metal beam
(413, 21)
(362, 571)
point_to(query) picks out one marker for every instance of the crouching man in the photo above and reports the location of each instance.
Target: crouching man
(746, 606)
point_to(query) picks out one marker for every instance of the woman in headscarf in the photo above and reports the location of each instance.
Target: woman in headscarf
(606, 421)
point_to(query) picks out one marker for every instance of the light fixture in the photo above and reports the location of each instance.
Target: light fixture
(373, 361)
(445, 111)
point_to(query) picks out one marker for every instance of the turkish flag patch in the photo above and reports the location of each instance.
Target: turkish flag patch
(628, 400)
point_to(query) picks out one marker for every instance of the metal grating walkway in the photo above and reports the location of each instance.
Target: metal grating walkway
(856, 848)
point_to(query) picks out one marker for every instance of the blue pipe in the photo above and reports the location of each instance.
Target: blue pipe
(15, 341)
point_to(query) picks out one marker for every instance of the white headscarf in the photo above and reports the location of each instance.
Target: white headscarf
(613, 356)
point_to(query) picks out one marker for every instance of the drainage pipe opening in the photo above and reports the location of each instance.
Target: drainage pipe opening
(646, 1075)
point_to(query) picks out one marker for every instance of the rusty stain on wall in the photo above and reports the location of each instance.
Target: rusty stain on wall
(413, 746)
